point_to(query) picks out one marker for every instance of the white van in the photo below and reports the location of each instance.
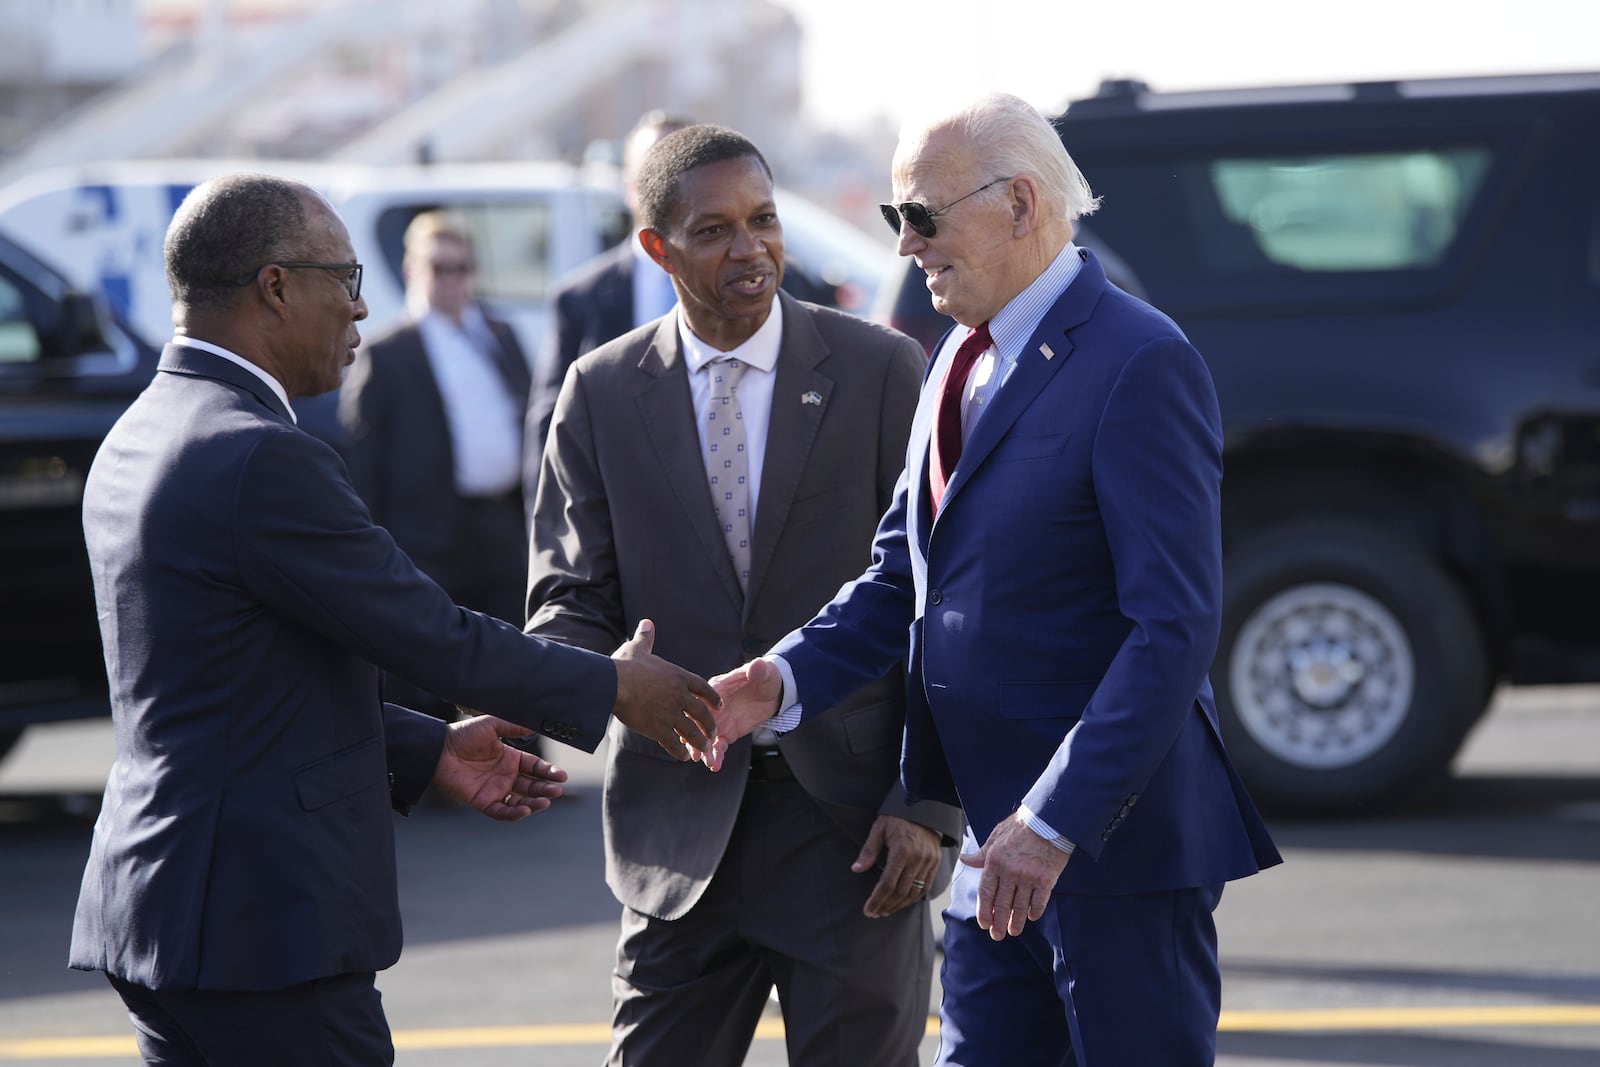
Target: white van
(102, 225)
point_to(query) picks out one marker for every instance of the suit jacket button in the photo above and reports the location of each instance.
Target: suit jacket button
(935, 597)
(754, 646)
(1105, 835)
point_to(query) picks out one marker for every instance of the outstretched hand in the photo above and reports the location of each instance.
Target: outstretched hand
(504, 783)
(664, 702)
(749, 697)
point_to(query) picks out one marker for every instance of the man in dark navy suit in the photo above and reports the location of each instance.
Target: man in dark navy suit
(240, 889)
(1054, 554)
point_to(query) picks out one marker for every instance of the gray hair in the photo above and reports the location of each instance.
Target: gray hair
(1013, 138)
(228, 228)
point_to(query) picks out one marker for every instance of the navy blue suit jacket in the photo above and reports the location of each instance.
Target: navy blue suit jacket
(593, 306)
(1062, 611)
(246, 838)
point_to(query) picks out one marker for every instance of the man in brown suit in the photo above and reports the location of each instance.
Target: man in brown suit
(721, 471)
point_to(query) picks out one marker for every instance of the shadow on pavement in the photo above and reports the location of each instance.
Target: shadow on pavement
(1577, 988)
(1509, 817)
(462, 876)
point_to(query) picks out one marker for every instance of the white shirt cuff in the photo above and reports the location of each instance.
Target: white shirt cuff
(789, 708)
(1045, 830)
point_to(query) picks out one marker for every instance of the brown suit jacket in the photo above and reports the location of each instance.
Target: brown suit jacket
(624, 529)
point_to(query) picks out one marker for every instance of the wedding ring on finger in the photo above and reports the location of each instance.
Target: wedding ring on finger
(508, 799)
(916, 884)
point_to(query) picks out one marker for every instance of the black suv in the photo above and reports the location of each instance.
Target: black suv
(67, 371)
(1397, 289)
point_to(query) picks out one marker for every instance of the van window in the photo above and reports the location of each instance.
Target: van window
(19, 341)
(1377, 211)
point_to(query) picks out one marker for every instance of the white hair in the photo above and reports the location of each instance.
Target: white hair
(1013, 138)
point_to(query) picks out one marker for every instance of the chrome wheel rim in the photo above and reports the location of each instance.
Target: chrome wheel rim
(1321, 675)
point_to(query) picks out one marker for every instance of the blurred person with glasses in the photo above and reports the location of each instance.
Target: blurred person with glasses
(434, 412)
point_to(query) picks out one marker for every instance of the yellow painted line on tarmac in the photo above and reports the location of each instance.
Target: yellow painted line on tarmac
(1451, 1017)
(599, 1034)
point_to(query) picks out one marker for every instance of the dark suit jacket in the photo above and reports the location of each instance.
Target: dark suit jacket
(246, 838)
(624, 529)
(399, 449)
(1063, 608)
(593, 306)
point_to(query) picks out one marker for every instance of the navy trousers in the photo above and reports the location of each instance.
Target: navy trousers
(1128, 981)
(332, 1022)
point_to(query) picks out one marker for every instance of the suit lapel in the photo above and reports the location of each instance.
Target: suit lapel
(1047, 350)
(800, 395)
(666, 410)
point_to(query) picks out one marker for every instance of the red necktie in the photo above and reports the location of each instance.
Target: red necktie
(947, 427)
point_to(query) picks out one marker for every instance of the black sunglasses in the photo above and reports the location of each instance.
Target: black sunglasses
(917, 215)
(351, 272)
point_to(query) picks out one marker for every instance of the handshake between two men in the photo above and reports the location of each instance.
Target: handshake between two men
(709, 716)
(680, 711)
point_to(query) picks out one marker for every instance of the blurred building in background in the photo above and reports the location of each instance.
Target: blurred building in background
(402, 81)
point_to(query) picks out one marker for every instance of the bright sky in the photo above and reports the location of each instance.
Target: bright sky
(865, 58)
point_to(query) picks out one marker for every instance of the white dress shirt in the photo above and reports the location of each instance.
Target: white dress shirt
(485, 423)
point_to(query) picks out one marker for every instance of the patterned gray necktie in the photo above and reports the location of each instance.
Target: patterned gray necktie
(728, 463)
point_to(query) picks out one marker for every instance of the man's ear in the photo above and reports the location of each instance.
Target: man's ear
(1024, 206)
(271, 283)
(655, 246)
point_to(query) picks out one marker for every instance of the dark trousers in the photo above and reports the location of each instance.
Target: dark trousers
(784, 910)
(1128, 981)
(331, 1022)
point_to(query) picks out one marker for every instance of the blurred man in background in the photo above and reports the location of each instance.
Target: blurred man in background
(434, 411)
(605, 298)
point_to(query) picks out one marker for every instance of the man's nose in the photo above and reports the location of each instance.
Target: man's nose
(910, 242)
(747, 243)
(361, 308)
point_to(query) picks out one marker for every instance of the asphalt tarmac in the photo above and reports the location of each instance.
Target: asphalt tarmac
(1462, 931)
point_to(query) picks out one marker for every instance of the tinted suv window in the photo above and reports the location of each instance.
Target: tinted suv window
(1357, 212)
(19, 342)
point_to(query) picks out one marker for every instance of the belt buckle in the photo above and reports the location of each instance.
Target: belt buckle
(768, 765)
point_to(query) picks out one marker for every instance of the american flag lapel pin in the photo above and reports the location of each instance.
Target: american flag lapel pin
(811, 397)
(1046, 351)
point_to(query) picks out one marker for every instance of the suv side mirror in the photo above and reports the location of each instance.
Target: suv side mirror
(76, 330)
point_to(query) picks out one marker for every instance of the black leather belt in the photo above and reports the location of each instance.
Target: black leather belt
(768, 765)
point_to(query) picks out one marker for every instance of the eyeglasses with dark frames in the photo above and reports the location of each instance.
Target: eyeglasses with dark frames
(917, 215)
(351, 272)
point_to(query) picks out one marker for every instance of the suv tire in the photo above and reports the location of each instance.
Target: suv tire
(1349, 669)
